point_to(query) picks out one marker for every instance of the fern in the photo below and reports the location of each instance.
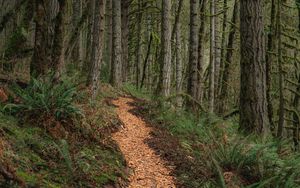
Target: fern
(63, 149)
(42, 97)
(258, 162)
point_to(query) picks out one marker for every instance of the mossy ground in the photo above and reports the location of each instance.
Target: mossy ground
(208, 151)
(84, 156)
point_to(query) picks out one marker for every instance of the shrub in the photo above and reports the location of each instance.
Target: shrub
(43, 98)
(252, 163)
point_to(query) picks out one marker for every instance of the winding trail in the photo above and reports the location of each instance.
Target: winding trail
(149, 170)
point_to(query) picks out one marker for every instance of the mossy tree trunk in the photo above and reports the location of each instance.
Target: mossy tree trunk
(97, 47)
(116, 77)
(281, 73)
(212, 69)
(228, 59)
(125, 32)
(298, 6)
(269, 59)
(138, 47)
(179, 64)
(164, 85)
(201, 45)
(40, 61)
(193, 54)
(253, 103)
(57, 59)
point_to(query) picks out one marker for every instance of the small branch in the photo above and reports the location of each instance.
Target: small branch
(231, 113)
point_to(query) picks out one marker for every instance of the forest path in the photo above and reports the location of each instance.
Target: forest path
(149, 170)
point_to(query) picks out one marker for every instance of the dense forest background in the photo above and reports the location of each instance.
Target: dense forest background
(213, 62)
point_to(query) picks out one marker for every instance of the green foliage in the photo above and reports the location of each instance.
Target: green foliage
(43, 98)
(63, 148)
(27, 177)
(105, 73)
(138, 93)
(87, 161)
(252, 162)
(228, 158)
(42, 161)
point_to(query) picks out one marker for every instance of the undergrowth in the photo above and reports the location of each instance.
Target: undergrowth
(45, 99)
(138, 93)
(214, 154)
(75, 150)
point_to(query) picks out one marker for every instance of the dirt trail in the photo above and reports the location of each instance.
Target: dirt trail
(149, 170)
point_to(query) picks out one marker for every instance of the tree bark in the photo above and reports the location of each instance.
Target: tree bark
(164, 85)
(125, 31)
(253, 104)
(228, 59)
(179, 67)
(193, 55)
(76, 10)
(296, 104)
(281, 73)
(116, 77)
(138, 48)
(223, 51)
(58, 43)
(202, 28)
(108, 46)
(146, 61)
(40, 62)
(90, 6)
(217, 50)
(177, 19)
(269, 60)
(298, 6)
(97, 47)
(212, 57)
(296, 101)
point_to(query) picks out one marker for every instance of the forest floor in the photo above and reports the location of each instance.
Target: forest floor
(149, 169)
(126, 138)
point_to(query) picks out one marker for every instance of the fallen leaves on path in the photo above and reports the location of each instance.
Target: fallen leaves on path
(149, 170)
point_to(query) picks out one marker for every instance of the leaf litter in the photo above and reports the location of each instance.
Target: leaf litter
(148, 169)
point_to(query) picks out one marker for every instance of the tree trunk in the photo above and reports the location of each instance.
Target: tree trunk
(269, 60)
(97, 47)
(193, 55)
(146, 61)
(164, 87)
(40, 62)
(125, 31)
(296, 101)
(179, 71)
(223, 51)
(116, 77)
(202, 28)
(108, 47)
(217, 50)
(82, 40)
(253, 105)
(58, 43)
(212, 56)
(177, 19)
(296, 104)
(89, 39)
(76, 9)
(228, 59)
(138, 48)
(281, 73)
(298, 6)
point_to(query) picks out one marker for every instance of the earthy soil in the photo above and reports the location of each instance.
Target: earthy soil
(186, 169)
(149, 170)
